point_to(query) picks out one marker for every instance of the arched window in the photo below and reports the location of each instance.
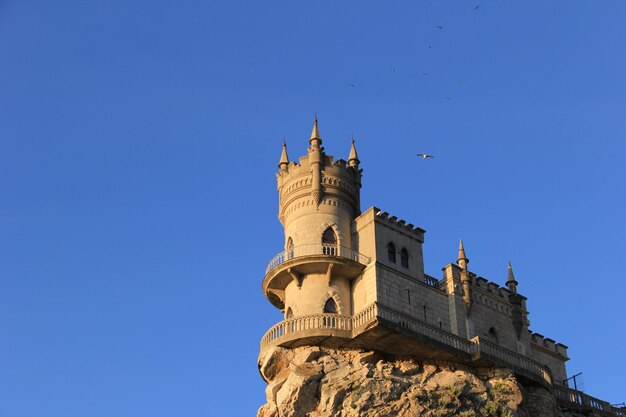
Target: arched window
(290, 251)
(329, 242)
(404, 258)
(391, 252)
(492, 335)
(330, 307)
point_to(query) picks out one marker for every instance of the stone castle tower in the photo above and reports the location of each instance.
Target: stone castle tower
(355, 281)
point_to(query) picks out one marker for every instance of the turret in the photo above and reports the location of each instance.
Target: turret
(316, 154)
(517, 314)
(353, 158)
(462, 261)
(318, 202)
(284, 159)
(510, 282)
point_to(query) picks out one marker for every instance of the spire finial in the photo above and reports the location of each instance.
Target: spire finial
(284, 159)
(462, 261)
(511, 283)
(315, 134)
(353, 158)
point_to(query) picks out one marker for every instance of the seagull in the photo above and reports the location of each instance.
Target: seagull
(425, 74)
(461, 82)
(392, 69)
(350, 85)
(439, 27)
(424, 155)
(476, 7)
(448, 98)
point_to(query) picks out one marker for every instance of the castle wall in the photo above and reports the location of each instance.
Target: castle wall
(312, 295)
(551, 354)
(375, 230)
(412, 297)
(364, 291)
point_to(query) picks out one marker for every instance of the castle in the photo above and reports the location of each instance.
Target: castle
(352, 279)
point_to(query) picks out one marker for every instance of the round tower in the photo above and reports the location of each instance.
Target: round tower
(318, 201)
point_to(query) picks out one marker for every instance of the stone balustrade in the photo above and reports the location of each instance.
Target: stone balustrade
(520, 363)
(316, 249)
(299, 326)
(348, 327)
(425, 329)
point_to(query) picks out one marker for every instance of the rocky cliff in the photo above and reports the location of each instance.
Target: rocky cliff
(314, 381)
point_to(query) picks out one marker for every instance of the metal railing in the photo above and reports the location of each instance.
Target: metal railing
(431, 281)
(316, 249)
(581, 400)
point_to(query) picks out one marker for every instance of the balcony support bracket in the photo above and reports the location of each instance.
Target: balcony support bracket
(295, 276)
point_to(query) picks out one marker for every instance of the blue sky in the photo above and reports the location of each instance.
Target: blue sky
(139, 141)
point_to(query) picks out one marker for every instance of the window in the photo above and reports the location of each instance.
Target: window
(290, 251)
(404, 258)
(391, 252)
(288, 314)
(330, 307)
(492, 336)
(329, 242)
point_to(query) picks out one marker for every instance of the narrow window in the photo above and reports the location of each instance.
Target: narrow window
(408, 296)
(288, 314)
(329, 242)
(492, 335)
(290, 250)
(404, 258)
(330, 307)
(391, 252)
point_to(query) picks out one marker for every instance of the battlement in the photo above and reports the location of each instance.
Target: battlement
(491, 287)
(399, 223)
(538, 340)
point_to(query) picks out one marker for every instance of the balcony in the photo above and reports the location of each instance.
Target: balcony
(324, 249)
(378, 327)
(299, 261)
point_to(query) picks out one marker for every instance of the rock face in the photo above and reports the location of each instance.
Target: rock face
(314, 381)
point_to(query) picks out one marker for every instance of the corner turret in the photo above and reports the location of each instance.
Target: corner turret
(284, 159)
(465, 278)
(510, 282)
(353, 158)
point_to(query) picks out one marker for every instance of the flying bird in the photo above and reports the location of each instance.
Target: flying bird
(392, 69)
(476, 7)
(447, 98)
(439, 27)
(350, 85)
(425, 74)
(424, 155)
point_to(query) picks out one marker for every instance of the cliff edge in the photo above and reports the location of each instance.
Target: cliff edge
(313, 381)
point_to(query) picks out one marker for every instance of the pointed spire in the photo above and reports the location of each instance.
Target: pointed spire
(462, 261)
(315, 134)
(284, 159)
(353, 159)
(511, 283)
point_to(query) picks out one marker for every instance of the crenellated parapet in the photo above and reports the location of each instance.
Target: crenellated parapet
(399, 224)
(318, 185)
(547, 344)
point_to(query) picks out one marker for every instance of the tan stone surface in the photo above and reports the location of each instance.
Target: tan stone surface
(322, 382)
